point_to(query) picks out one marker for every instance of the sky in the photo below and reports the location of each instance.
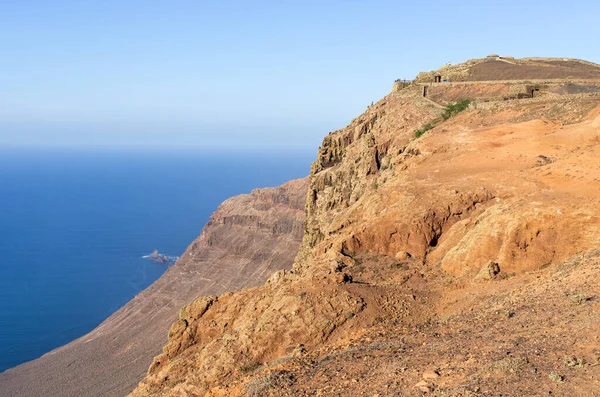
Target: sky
(245, 74)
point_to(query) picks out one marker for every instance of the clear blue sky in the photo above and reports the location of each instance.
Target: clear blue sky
(245, 73)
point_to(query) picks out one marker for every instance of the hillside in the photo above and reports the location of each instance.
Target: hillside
(247, 238)
(508, 68)
(463, 262)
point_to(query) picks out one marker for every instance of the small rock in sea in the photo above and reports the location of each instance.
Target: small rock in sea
(159, 258)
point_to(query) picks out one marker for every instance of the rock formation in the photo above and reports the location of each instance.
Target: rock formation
(247, 238)
(464, 262)
(159, 258)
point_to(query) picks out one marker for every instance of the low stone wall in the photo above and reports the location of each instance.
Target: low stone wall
(489, 91)
(513, 82)
(490, 103)
(400, 84)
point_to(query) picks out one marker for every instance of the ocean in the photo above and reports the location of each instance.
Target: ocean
(75, 225)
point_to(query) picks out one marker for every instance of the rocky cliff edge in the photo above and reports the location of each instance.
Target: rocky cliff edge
(463, 262)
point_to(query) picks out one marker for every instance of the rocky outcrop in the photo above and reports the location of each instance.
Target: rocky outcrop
(349, 159)
(160, 258)
(247, 239)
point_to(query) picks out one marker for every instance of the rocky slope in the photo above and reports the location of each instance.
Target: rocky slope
(247, 238)
(463, 262)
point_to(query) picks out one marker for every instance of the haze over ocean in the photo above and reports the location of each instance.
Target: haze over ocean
(75, 224)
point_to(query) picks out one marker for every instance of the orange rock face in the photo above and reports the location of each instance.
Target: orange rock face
(454, 254)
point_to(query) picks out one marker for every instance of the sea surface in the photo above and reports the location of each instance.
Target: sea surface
(75, 225)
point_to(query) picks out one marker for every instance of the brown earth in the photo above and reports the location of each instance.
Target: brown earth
(462, 263)
(528, 335)
(456, 93)
(515, 69)
(247, 238)
(539, 70)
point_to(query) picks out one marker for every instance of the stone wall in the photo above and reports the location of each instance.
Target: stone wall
(400, 84)
(539, 81)
(490, 91)
(481, 103)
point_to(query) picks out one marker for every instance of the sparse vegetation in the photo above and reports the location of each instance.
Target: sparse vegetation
(556, 377)
(386, 166)
(272, 380)
(449, 111)
(455, 108)
(510, 365)
(545, 265)
(574, 362)
(419, 133)
(578, 299)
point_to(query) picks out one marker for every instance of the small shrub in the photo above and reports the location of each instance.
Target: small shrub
(375, 186)
(274, 380)
(386, 166)
(449, 111)
(574, 362)
(510, 365)
(455, 108)
(578, 299)
(545, 265)
(429, 126)
(556, 377)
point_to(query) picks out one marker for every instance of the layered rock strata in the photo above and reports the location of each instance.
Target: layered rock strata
(247, 239)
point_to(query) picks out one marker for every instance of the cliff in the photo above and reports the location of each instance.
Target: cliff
(463, 262)
(247, 238)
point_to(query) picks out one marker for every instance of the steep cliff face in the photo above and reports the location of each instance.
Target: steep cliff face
(350, 159)
(403, 237)
(246, 240)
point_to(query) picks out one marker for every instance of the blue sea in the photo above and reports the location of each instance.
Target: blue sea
(75, 225)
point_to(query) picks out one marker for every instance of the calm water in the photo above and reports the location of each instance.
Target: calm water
(73, 228)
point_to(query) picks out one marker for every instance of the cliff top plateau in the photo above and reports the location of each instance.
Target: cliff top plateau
(451, 247)
(495, 67)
